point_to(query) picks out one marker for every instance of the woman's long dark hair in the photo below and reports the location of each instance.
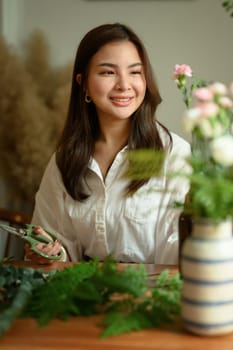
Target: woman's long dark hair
(81, 129)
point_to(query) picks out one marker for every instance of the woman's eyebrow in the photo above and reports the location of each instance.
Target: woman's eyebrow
(112, 65)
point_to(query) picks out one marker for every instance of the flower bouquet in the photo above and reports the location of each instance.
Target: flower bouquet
(209, 119)
(206, 255)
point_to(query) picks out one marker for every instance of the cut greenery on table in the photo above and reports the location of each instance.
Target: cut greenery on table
(128, 299)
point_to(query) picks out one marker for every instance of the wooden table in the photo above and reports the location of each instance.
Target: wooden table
(83, 333)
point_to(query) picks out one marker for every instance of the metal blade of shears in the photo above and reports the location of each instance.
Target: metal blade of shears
(20, 232)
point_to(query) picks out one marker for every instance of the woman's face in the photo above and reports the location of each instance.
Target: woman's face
(116, 82)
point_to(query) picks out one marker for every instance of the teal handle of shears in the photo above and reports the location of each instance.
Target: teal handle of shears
(34, 239)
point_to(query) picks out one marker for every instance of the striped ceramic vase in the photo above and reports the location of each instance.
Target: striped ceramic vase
(207, 272)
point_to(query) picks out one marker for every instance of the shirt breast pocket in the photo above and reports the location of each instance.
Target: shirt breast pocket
(146, 202)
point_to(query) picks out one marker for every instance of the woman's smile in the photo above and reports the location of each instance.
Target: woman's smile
(121, 101)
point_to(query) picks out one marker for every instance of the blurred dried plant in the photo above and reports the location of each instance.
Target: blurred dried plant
(33, 103)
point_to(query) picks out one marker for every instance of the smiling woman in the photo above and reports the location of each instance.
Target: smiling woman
(85, 197)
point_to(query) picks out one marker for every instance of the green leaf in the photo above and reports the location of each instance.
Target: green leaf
(88, 291)
(144, 164)
(117, 323)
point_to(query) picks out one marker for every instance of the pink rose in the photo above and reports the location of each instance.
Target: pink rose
(225, 102)
(203, 94)
(182, 70)
(208, 109)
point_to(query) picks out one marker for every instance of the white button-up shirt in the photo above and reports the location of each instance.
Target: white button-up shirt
(139, 228)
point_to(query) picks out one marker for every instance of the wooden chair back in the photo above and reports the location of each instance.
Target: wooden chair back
(185, 229)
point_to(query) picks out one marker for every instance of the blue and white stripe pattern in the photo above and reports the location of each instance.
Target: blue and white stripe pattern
(207, 271)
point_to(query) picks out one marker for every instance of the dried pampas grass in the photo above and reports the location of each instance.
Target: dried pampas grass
(33, 104)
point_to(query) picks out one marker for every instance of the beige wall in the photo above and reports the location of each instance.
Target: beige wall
(196, 32)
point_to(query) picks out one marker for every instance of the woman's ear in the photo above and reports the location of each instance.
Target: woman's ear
(79, 78)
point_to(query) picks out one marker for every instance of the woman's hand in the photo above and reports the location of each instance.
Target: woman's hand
(52, 248)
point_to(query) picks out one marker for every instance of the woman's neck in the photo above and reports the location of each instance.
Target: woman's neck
(112, 139)
(115, 133)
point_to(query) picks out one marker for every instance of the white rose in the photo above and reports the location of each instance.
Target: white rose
(218, 88)
(210, 130)
(206, 128)
(231, 88)
(190, 119)
(222, 150)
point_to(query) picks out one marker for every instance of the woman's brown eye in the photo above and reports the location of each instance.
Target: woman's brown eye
(107, 73)
(136, 72)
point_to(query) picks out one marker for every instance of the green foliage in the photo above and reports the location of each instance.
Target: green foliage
(82, 289)
(60, 297)
(206, 199)
(144, 163)
(228, 5)
(161, 304)
(125, 298)
(188, 90)
(16, 286)
(118, 323)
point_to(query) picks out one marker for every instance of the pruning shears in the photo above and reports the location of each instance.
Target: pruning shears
(33, 239)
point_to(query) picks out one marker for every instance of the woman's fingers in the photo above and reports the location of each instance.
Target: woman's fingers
(41, 231)
(49, 249)
(52, 248)
(34, 257)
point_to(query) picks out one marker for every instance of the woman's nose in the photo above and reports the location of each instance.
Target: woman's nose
(122, 83)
